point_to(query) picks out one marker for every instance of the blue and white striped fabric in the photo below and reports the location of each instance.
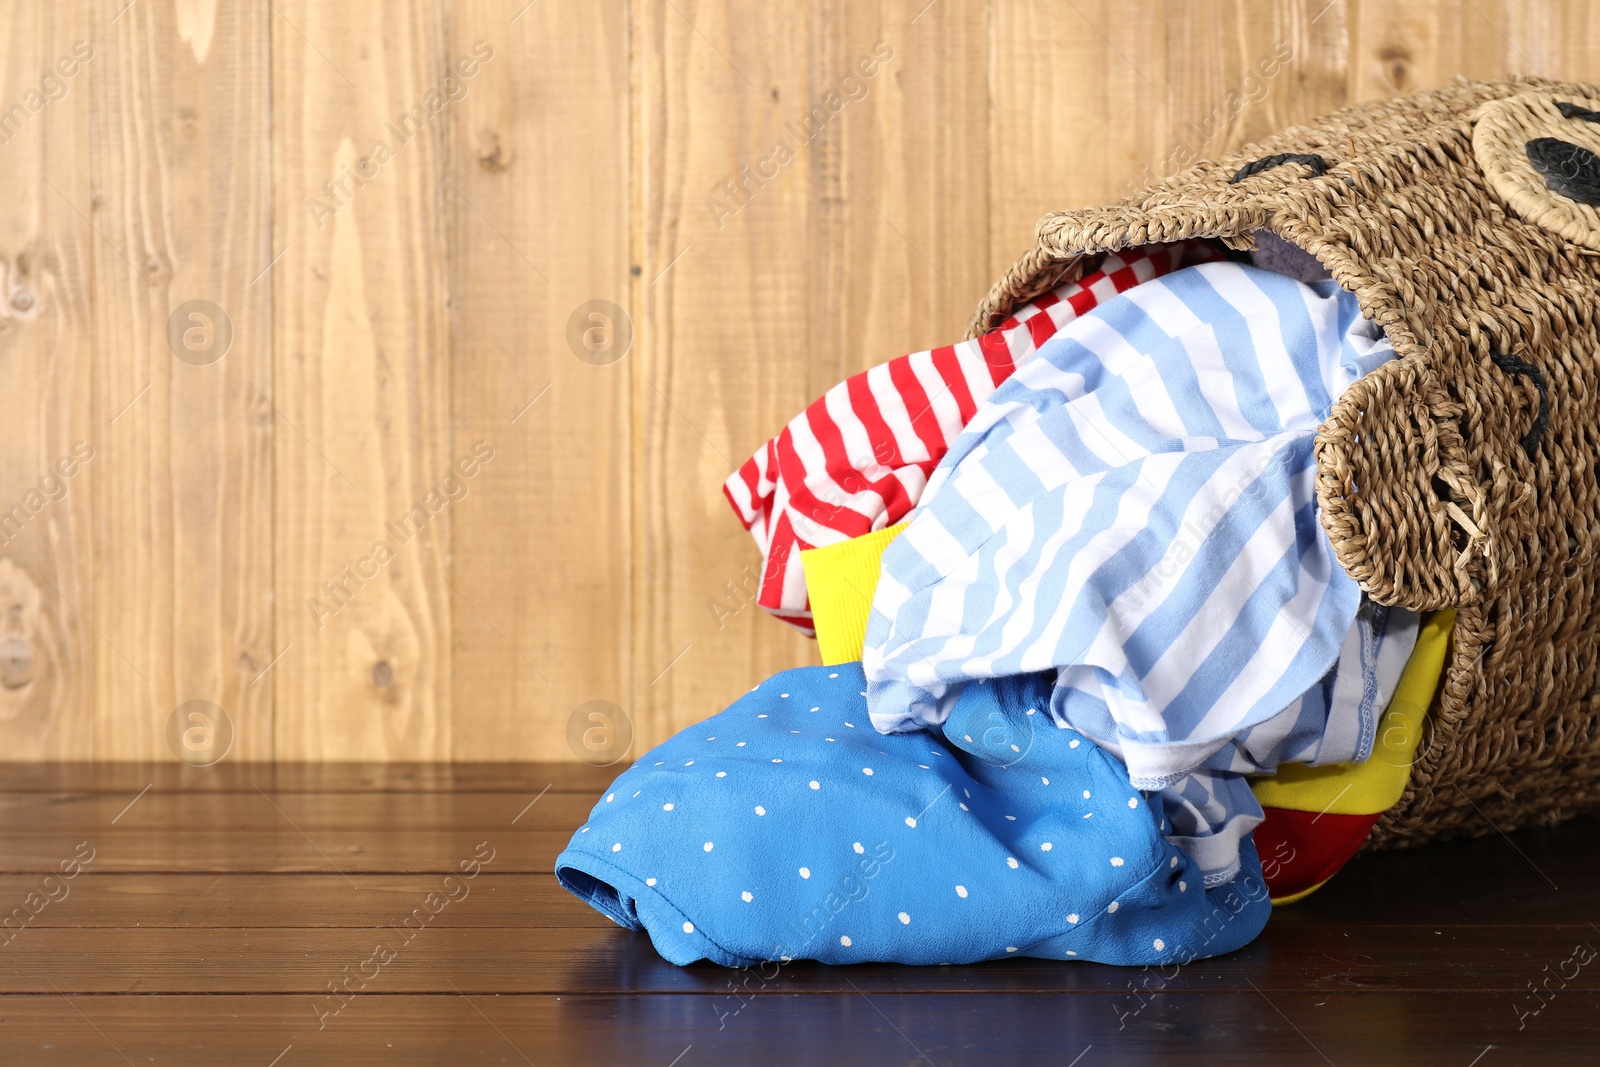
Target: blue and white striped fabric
(1211, 808)
(1136, 509)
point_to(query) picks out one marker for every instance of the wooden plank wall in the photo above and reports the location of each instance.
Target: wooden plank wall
(292, 425)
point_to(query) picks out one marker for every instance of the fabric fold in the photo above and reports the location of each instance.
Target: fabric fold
(1135, 510)
(786, 828)
(856, 460)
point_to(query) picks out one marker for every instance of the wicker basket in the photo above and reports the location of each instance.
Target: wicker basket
(1466, 472)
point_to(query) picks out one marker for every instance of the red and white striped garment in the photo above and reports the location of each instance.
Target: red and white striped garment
(857, 459)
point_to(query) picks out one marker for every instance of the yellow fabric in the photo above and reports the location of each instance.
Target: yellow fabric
(841, 578)
(1375, 785)
(1278, 902)
(840, 581)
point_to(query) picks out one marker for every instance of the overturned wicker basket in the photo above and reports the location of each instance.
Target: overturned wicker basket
(1466, 472)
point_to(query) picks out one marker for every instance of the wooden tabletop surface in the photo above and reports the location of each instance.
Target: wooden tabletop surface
(179, 915)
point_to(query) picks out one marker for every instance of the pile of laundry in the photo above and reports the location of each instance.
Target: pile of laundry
(1077, 613)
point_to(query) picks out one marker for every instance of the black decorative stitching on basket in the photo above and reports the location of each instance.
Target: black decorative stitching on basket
(1520, 368)
(1573, 111)
(1317, 164)
(1568, 169)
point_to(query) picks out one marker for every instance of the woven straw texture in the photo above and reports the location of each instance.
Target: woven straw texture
(1464, 472)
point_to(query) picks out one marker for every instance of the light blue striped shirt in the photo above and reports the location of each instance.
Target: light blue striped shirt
(1135, 508)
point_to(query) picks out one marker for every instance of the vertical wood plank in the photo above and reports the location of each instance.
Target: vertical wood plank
(48, 651)
(723, 340)
(1271, 64)
(1298, 53)
(1402, 48)
(361, 397)
(538, 203)
(826, 183)
(901, 216)
(1079, 108)
(178, 202)
(211, 141)
(390, 330)
(1560, 40)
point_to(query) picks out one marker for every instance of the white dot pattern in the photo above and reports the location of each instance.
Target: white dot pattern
(743, 834)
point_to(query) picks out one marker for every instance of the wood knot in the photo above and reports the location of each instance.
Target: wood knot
(495, 159)
(1395, 61)
(16, 663)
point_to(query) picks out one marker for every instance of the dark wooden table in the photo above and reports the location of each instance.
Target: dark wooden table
(177, 915)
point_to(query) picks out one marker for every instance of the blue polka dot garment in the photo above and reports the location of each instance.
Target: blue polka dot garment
(788, 828)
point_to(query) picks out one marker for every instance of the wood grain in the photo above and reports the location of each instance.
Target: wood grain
(603, 959)
(724, 333)
(270, 810)
(1274, 66)
(190, 570)
(1441, 894)
(540, 563)
(1420, 956)
(1402, 48)
(892, 266)
(49, 651)
(296, 901)
(1056, 78)
(295, 850)
(131, 780)
(361, 390)
(395, 330)
(1446, 1030)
